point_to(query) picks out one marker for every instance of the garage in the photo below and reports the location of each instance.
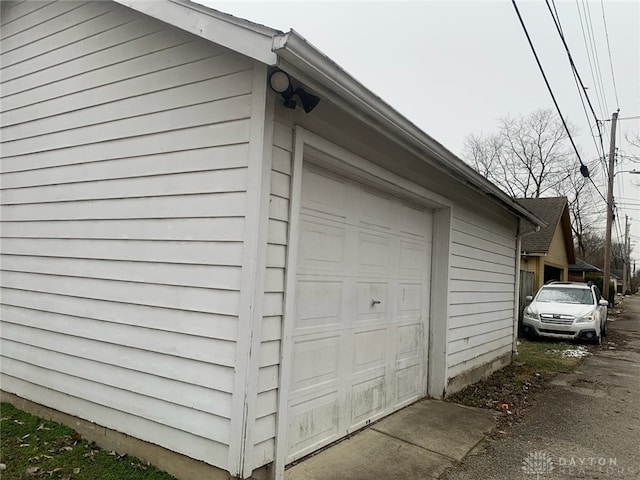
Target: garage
(171, 279)
(359, 346)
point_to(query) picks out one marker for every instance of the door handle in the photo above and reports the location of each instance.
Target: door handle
(374, 302)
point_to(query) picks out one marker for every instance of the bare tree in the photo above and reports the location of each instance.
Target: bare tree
(484, 153)
(526, 157)
(594, 244)
(634, 141)
(530, 157)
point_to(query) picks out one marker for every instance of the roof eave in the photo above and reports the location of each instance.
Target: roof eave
(271, 47)
(250, 39)
(320, 71)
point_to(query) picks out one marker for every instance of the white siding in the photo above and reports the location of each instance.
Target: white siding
(265, 427)
(124, 178)
(482, 290)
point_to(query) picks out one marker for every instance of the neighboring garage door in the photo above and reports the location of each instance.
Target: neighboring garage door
(362, 295)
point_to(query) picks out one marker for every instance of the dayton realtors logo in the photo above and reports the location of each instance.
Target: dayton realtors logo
(537, 463)
(541, 463)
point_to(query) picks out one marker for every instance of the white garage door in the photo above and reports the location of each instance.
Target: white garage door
(362, 294)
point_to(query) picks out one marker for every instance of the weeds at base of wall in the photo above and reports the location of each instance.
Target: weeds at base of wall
(512, 390)
(37, 448)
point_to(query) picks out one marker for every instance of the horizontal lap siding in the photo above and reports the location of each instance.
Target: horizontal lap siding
(482, 290)
(124, 178)
(265, 427)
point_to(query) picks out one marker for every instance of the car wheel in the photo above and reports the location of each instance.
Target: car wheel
(598, 339)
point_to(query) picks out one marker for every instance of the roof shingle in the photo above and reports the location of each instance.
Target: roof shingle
(547, 209)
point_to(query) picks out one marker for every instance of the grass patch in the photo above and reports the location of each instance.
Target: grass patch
(549, 356)
(37, 448)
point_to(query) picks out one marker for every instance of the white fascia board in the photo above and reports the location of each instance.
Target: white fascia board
(250, 39)
(331, 81)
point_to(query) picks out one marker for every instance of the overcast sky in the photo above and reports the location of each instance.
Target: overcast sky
(454, 68)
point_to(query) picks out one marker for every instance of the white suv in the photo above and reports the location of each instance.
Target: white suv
(567, 310)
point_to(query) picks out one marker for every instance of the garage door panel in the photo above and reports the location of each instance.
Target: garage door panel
(414, 222)
(318, 304)
(408, 338)
(374, 254)
(316, 361)
(313, 423)
(413, 258)
(324, 193)
(367, 400)
(410, 297)
(322, 248)
(407, 385)
(376, 210)
(372, 301)
(369, 350)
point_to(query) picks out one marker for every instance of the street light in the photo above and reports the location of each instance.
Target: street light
(632, 172)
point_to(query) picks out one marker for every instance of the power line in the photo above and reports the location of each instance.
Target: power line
(594, 45)
(598, 190)
(556, 21)
(606, 32)
(589, 56)
(590, 178)
(599, 94)
(582, 90)
(546, 81)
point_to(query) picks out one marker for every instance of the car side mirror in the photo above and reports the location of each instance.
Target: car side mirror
(603, 303)
(528, 298)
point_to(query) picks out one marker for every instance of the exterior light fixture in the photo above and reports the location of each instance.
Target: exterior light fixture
(281, 83)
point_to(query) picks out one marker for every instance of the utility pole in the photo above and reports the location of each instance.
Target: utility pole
(625, 257)
(606, 277)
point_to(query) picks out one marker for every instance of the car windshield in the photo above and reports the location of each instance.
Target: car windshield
(565, 295)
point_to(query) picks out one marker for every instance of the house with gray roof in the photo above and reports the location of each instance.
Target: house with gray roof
(548, 252)
(579, 270)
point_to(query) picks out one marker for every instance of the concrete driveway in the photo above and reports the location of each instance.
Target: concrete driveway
(587, 425)
(418, 442)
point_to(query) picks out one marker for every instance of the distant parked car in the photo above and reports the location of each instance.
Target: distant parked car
(567, 310)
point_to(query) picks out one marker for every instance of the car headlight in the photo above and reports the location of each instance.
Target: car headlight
(530, 313)
(587, 318)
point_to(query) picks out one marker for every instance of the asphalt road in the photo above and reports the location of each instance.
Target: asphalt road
(586, 425)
